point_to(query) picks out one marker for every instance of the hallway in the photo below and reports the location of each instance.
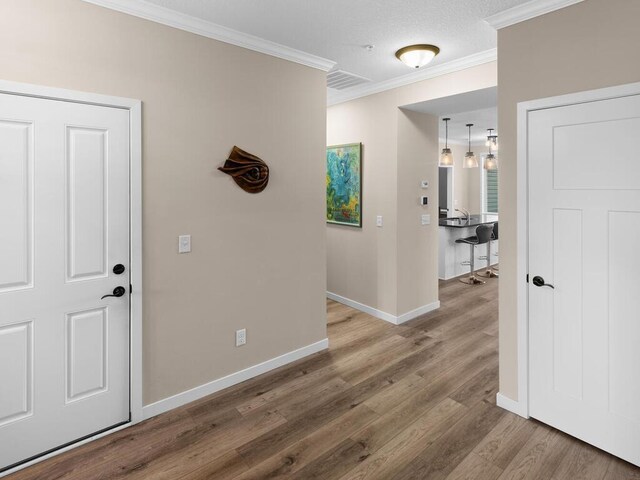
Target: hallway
(402, 402)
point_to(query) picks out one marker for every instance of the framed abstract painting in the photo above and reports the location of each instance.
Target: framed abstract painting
(344, 184)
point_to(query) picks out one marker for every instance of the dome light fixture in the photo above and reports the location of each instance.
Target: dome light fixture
(446, 157)
(416, 56)
(470, 160)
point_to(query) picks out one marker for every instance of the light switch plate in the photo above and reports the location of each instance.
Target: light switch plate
(426, 219)
(379, 220)
(184, 243)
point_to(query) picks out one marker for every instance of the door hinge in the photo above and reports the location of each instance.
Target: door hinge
(527, 278)
(131, 286)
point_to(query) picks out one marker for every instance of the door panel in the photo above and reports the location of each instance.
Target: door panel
(86, 358)
(16, 205)
(624, 312)
(16, 370)
(64, 351)
(567, 334)
(584, 229)
(582, 160)
(86, 215)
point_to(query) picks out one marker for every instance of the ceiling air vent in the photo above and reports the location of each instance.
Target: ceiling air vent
(339, 80)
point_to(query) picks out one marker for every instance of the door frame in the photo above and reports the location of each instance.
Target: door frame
(135, 232)
(521, 405)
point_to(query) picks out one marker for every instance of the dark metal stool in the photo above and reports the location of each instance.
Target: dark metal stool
(483, 235)
(490, 273)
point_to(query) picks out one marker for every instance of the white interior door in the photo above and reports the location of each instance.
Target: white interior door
(64, 209)
(584, 239)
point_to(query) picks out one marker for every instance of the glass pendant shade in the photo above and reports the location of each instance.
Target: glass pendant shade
(416, 56)
(470, 160)
(490, 162)
(492, 140)
(446, 158)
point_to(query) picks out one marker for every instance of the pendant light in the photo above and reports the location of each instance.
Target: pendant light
(446, 158)
(490, 161)
(416, 56)
(470, 160)
(492, 140)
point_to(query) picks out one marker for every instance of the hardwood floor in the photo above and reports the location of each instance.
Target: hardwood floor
(415, 401)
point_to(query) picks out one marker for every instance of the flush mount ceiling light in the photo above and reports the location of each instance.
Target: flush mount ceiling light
(492, 140)
(470, 160)
(446, 158)
(416, 56)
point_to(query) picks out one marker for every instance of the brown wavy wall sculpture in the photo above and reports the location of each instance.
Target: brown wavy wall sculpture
(248, 171)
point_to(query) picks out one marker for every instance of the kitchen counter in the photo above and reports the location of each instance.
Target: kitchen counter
(474, 221)
(453, 256)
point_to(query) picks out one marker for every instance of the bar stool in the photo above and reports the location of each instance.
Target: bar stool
(490, 272)
(482, 236)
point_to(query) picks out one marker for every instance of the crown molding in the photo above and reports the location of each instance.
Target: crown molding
(171, 18)
(333, 97)
(526, 11)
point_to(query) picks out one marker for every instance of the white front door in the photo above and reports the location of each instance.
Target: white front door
(584, 239)
(64, 226)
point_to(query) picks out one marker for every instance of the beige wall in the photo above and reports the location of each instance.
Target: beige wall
(258, 261)
(466, 181)
(365, 264)
(417, 159)
(589, 45)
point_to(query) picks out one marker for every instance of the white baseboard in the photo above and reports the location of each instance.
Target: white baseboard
(196, 393)
(387, 317)
(405, 317)
(511, 405)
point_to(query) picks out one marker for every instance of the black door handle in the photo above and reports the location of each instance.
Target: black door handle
(117, 292)
(539, 282)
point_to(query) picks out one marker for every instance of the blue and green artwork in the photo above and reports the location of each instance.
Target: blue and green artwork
(344, 184)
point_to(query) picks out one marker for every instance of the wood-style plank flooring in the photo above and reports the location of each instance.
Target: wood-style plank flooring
(415, 401)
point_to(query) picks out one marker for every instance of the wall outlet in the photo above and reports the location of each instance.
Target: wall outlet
(426, 219)
(184, 244)
(241, 337)
(424, 183)
(379, 220)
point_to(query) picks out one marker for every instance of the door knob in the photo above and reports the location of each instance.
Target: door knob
(117, 292)
(539, 282)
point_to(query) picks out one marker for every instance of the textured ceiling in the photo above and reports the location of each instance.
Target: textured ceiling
(339, 29)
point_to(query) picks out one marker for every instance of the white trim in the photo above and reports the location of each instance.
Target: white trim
(522, 215)
(135, 203)
(334, 97)
(196, 393)
(527, 11)
(188, 23)
(511, 405)
(135, 135)
(405, 317)
(387, 317)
